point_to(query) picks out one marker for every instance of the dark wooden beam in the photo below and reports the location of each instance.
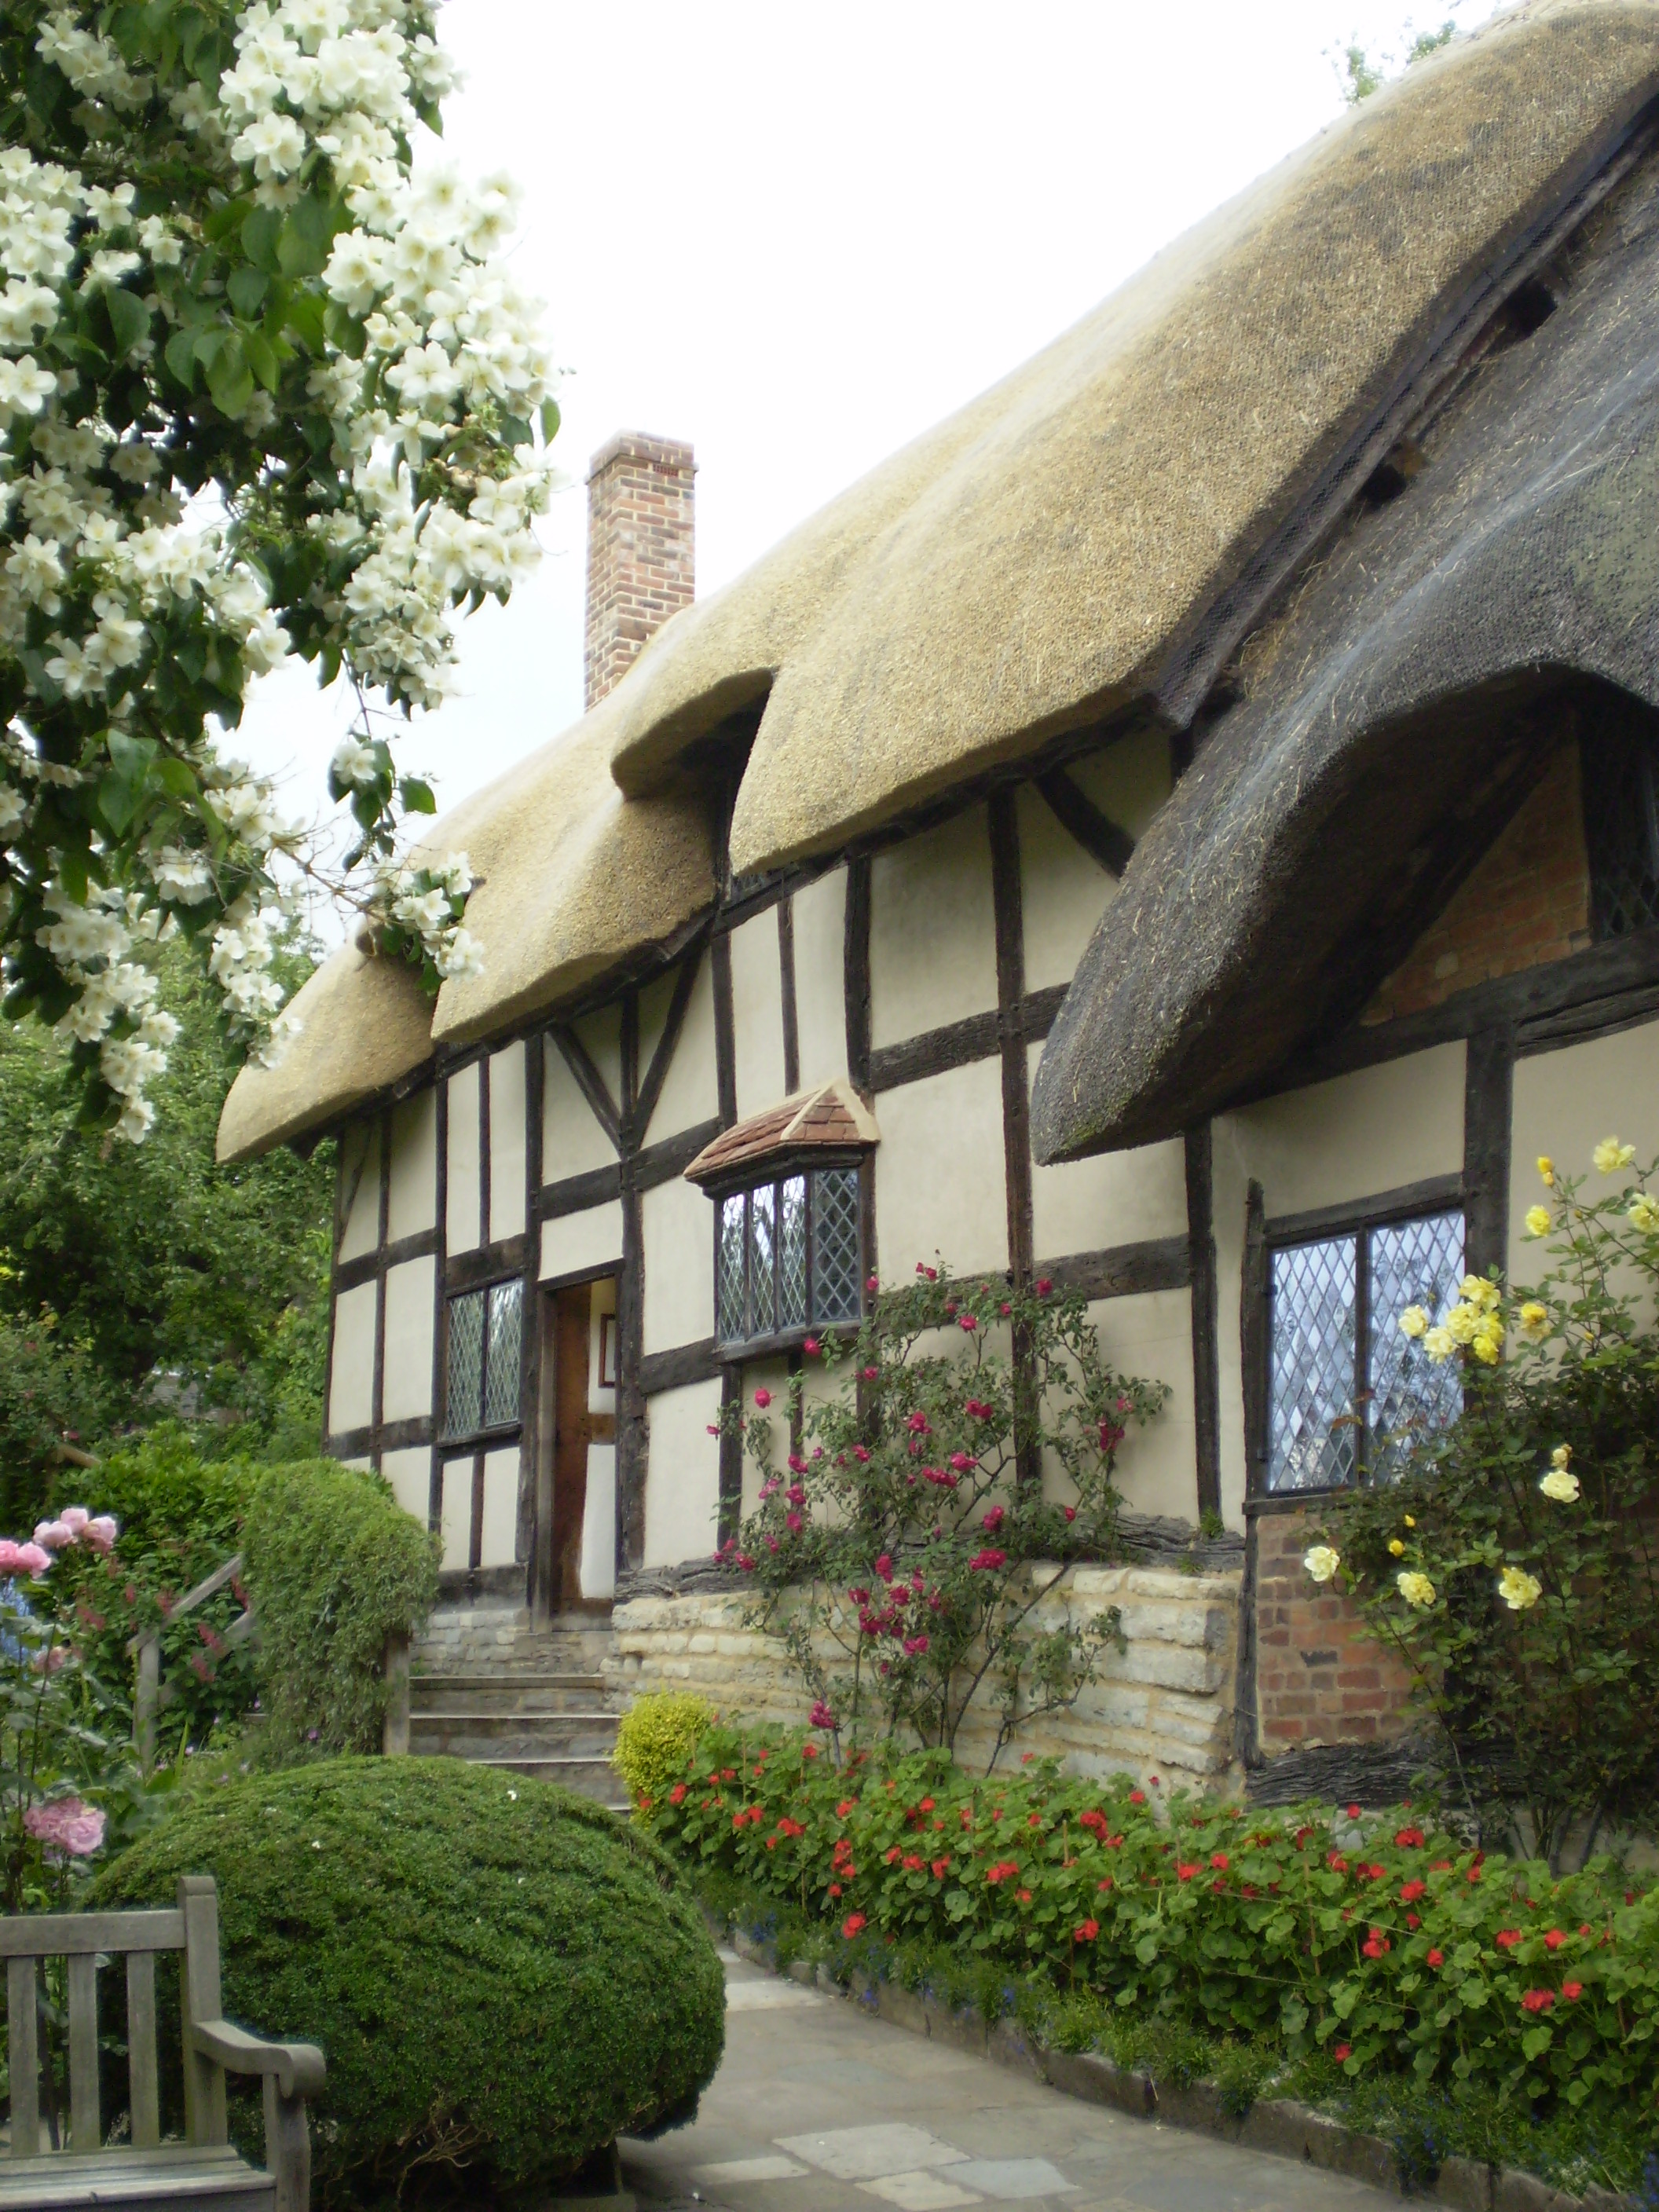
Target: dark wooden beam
(484, 1223)
(490, 1263)
(726, 1038)
(1434, 1195)
(657, 1163)
(575, 1194)
(632, 1412)
(731, 1466)
(364, 1268)
(1488, 1116)
(440, 1312)
(786, 989)
(673, 1369)
(1003, 822)
(382, 1229)
(1123, 1271)
(1207, 1354)
(532, 1531)
(855, 976)
(1077, 813)
(1255, 1348)
(589, 1082)
(657, 1074)
(957, 1044)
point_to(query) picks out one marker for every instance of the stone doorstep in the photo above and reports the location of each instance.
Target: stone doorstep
(1277, 2125)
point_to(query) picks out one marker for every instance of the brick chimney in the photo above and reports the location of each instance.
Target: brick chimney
(641, 550)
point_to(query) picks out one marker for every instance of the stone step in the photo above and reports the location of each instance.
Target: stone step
(486, 1691)
(511, 1736)
(588, 1777)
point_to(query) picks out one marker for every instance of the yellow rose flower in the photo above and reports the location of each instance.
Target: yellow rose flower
(1487, 1347)
(1562, 1487)
(1519, 1589)
(1439, 1344)
(1538, 1221)
(1644, 1215)
(1321, 1562)
(1410, 1522)
(1534, 1319)
(1417, 1589)
(1547, 1169)
(1610, 1156)
(1396, 1548)
(1414, 1322)
(1462, 1322)
(1562, 1456)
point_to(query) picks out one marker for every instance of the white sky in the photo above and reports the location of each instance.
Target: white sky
(797, 234)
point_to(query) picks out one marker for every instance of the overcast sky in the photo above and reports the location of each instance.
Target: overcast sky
(798, 235)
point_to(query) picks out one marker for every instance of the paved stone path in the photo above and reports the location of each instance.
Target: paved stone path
(818, 2107)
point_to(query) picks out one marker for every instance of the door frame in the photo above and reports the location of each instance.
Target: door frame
(545, 1595)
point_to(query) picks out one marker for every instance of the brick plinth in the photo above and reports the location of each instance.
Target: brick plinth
(641, 550)
(1320, 1678)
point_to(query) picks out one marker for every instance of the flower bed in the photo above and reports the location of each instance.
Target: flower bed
(1382, 1942)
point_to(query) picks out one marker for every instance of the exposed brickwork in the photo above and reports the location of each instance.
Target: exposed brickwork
(641, 550)
(1320, 1678)
(1527, 902)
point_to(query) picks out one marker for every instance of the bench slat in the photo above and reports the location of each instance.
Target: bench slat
(62, 1935)
(24, 2048)
(85, 2133)
(143, 2091)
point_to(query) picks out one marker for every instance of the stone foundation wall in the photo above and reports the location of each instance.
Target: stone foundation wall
(1164, 1706)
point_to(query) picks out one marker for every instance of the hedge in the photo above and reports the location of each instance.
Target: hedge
(502, 1975)
(1382, 1939)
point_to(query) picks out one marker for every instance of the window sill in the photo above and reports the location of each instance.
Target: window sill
(784, 1340)
(1293, 1501)
(479, 1440)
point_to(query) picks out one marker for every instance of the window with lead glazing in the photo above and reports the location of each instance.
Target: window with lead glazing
(1620, 761)
(485, 1347)
(788, 1255)
(1348, 1391)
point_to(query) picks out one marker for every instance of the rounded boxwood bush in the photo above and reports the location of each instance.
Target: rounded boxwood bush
(503, 1977)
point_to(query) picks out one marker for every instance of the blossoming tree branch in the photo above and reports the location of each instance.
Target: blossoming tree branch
(264, 389)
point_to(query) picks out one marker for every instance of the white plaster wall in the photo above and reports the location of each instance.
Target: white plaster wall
(500, 1544)
(412, 1201)
(572, 1143)
(1357, 1136)
(362, 1226)
(597, 1567)
(939, 1172)
(757, 1012)
(1152, 1335)
(506, 1160)
(932, 930)
(410, 1290)
(455, 1522)
(678, 1225)
(1112, 1198)
(351, 1375)
(1063, 893)
(1127, 779)
(682, 1484)
(410, 1473)
(462, 1226)
(600, 1034)
(1565, 1102)
(820, 917)
(690, 1090)
(576, 1242)
(771, 1374)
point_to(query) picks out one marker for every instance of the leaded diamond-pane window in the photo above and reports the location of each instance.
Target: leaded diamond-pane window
(485, 1349)
(1620, 770)
(1348, 1392)
(788, 1255)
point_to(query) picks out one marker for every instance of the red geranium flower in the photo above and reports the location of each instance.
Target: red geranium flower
(1553, 1938)
(1411, 1891)
(1184, 1872)
(941, 1867)
(851, 1926)
(1507, 1938)
(1085, 1931)
(1537, 2000)
(677, 1795)
(1572, 1992)
(1342, 2052)
(1220, 1860)
(1436, 1958)
(1408, 1837)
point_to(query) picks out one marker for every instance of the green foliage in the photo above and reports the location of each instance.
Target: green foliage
(658, 1734)
(334, 1567)
(1513, 1565)
(895, 1553)
(1371, 1942)
(1361, 75)
(139, 1283)
(502, 1975)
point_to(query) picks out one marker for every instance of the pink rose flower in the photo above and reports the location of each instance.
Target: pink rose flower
(762, 1398)
(53, 1534)
(22, 1559)
(66, 1827)
(74, 1518)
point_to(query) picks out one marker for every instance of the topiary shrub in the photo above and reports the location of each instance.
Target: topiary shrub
(503, 1977)
(334, 1567)
(659, 1733)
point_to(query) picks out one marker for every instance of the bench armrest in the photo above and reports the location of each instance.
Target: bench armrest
(298, 2068)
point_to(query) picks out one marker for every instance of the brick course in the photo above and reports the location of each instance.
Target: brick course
(1527, 902)
(641, 550)
(1319, 1676)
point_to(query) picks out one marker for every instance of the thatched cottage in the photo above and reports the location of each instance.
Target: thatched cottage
(1187, 826)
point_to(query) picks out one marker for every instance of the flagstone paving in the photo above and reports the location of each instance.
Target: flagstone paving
(820, 2107)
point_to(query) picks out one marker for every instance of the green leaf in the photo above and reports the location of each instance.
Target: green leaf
(416, 795)
(550, 420)
(131, 755)
(230, 380)
(119, 801)
(262, 359)
(180, 358)
(128, 319)
(177, 780)
(260, 234)
(247, 286)
(308, 233)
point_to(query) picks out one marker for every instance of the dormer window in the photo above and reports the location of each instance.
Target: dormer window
(788, 1235)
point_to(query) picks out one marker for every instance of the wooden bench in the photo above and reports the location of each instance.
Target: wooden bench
(202, 2172)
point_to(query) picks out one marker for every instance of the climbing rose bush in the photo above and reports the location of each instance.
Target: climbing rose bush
(903, 1549)
(1512, 1565)
(1379, 1937)
(264, 389)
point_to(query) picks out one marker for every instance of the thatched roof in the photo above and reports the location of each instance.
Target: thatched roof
(1078, 539)
(1392, 717)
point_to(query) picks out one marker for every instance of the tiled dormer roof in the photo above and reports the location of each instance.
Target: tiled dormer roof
(830, 1118)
